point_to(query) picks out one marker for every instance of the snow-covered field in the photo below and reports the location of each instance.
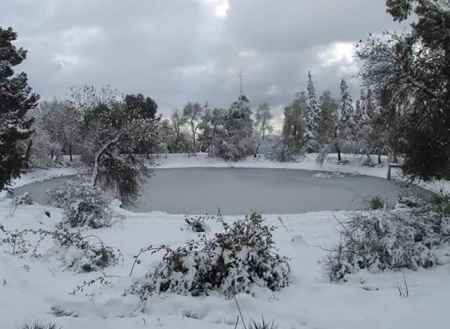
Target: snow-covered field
(31, 288)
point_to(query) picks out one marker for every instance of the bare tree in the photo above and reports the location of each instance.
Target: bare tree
(263, 116)
(192, 114)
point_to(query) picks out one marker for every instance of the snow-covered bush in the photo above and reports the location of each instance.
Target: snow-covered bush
(17, 241)
(77, 252)
(85, 253)
(25, 199)
(197, 224)
(281, 153)
(441, 203)
(38, 325)
(262, 324)
(389, 240)
(376, 203)
(230, 262)
(83, 205)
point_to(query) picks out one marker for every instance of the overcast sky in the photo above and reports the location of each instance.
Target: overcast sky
(181, 50)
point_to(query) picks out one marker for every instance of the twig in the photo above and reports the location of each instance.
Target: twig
(240, 312)
(403, 291)
(237, 322)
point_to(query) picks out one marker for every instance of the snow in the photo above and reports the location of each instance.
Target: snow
(40, 175)
(30, 288)
(306, 163)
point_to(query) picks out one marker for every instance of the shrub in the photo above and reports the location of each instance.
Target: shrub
(79, 252)
(84, 255)
(25, 199)
(441, 204)
(37, 325)
(376, 203)
(231, 262)
(197, 224)
(280, 152)
(401, 238)
(262, 325)
(83, 205)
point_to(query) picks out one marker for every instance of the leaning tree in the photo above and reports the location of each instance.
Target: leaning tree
(16, 99)
(114, 131)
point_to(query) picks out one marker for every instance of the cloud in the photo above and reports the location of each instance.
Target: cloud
(181, 50)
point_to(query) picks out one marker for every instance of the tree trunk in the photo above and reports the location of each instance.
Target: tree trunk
(28, 153)
(193, 137)
(338, 150)
(395, 157)
(100, 152)
(70, 152)
(379, 158)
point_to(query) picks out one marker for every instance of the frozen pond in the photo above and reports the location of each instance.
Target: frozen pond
(239, 190)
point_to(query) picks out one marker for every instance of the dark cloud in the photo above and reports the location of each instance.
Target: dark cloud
(182, 50)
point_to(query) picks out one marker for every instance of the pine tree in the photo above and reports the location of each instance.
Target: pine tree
(359, 128)
(211, 130)
(345, 119)
(376, 125)
(312, 117)
(327, 119)
(16, 99)
(237, 140)
(293, 134)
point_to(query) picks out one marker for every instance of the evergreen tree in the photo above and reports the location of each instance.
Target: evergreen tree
(312, 117)
(211, 130)
(16, 99)
(376, 136)
(359, 128)
(327, 119)
(237, 141)
(293, 134)
(345, 120)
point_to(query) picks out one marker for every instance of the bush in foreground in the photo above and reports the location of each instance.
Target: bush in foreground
(405, 237)
(77, 252)
(83, 205)
(85, 253)
(230, 262)
(38, 325)
(262, 325)
(197, 224)
(376, 203)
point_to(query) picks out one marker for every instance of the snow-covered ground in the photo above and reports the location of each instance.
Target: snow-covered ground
(30, 288)
(40, 175)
